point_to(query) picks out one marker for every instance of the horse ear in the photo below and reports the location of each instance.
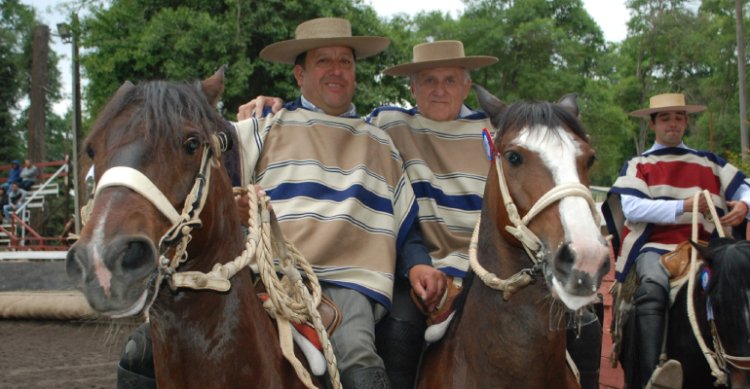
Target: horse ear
(214, 85)
(570, 102)
(704, 251)
(493, 106)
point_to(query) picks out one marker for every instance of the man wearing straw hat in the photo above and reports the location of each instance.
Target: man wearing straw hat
(649, 211)
(337, 186)
(449, 190)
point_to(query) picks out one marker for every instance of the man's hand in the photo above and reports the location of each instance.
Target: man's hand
(702, 204)
(737, 213)
(255, 107)
(429, 284)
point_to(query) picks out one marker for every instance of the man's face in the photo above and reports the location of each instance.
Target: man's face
(440, 92)
(327, 79)
(669, 127)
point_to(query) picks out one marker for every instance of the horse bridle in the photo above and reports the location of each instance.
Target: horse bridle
(177, 237)
(520, 230)
(718, 358)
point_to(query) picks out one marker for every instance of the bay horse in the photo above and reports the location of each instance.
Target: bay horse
(514, 339)
(721, 301)
(155, 149)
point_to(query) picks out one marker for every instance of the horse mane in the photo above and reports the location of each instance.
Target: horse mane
(158, 113)
(534, 114)
(730, 282)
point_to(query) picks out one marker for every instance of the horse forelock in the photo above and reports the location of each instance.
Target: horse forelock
(538, 114)
(157, 112)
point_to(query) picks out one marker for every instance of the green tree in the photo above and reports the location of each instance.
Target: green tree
(139, 40)
(17, 22)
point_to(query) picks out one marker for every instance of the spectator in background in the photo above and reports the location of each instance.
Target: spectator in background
(3, 195)
(28, 175)
(14, 174)
(16, 196)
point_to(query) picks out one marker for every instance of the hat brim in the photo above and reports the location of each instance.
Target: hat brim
(286, 51)
(468, 63)
(646, 112)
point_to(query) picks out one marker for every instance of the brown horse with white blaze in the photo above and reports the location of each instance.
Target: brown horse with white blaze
(156, 149)
(538, 223)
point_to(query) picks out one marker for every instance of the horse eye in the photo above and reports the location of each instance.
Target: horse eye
(192, 145)
(513, 158)
(591, 161)
(90, 151)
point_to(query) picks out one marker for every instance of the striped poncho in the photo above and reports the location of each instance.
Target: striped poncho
(339, 191)
(670, 173)
(448, 168)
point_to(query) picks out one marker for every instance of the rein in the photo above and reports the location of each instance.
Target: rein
(520, 230)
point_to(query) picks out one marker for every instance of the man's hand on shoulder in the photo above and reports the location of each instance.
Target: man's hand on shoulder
(429, 284)
(255, 107)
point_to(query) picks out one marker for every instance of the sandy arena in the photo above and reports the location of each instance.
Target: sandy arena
(60, 354)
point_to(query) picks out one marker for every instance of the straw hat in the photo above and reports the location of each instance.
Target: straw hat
(440, 54)
(667, 102)
(323, 32)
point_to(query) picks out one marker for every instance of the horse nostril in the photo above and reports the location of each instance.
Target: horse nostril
(73, 266)
(564, 261)
(136, 252)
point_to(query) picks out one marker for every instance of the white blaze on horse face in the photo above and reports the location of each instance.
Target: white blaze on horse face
(559, 149)
(103, 274)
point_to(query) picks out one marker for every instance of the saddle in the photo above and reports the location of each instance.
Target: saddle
(330, 315)
(677, 261)
(438, 320)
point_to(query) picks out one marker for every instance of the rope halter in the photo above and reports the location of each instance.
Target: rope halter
(520, 230)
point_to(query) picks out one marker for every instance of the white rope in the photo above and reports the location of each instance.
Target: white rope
(711, 359)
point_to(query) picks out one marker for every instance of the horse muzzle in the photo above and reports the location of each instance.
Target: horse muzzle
(576, 275)
(114, 277)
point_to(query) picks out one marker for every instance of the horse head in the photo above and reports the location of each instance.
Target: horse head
(725, 279)
(537, 193)
(153, 150)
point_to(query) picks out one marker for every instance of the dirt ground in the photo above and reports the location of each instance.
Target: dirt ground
(60, 354)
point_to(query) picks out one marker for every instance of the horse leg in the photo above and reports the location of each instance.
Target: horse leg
(136, 367)
(585, 349)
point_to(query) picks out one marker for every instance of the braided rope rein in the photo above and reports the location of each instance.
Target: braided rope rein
(715, 360)
(289, 297)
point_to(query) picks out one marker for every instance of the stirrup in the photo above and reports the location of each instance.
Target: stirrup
(666, 376)
(439, 320)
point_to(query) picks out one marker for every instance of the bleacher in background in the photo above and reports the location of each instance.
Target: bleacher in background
(17, 234)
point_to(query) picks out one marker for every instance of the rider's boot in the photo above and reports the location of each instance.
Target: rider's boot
(400, 345)
(651, 302)
(399, 337)
(136, 367)
(365, 378)
(585, 348)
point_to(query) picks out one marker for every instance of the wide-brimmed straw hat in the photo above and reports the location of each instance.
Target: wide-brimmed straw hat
(440, 54)
(323, 32)
(667, 102)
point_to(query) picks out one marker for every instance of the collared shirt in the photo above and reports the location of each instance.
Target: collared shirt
(306, 104)
(638, 209)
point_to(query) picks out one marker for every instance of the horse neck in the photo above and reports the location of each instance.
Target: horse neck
(209, 329)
